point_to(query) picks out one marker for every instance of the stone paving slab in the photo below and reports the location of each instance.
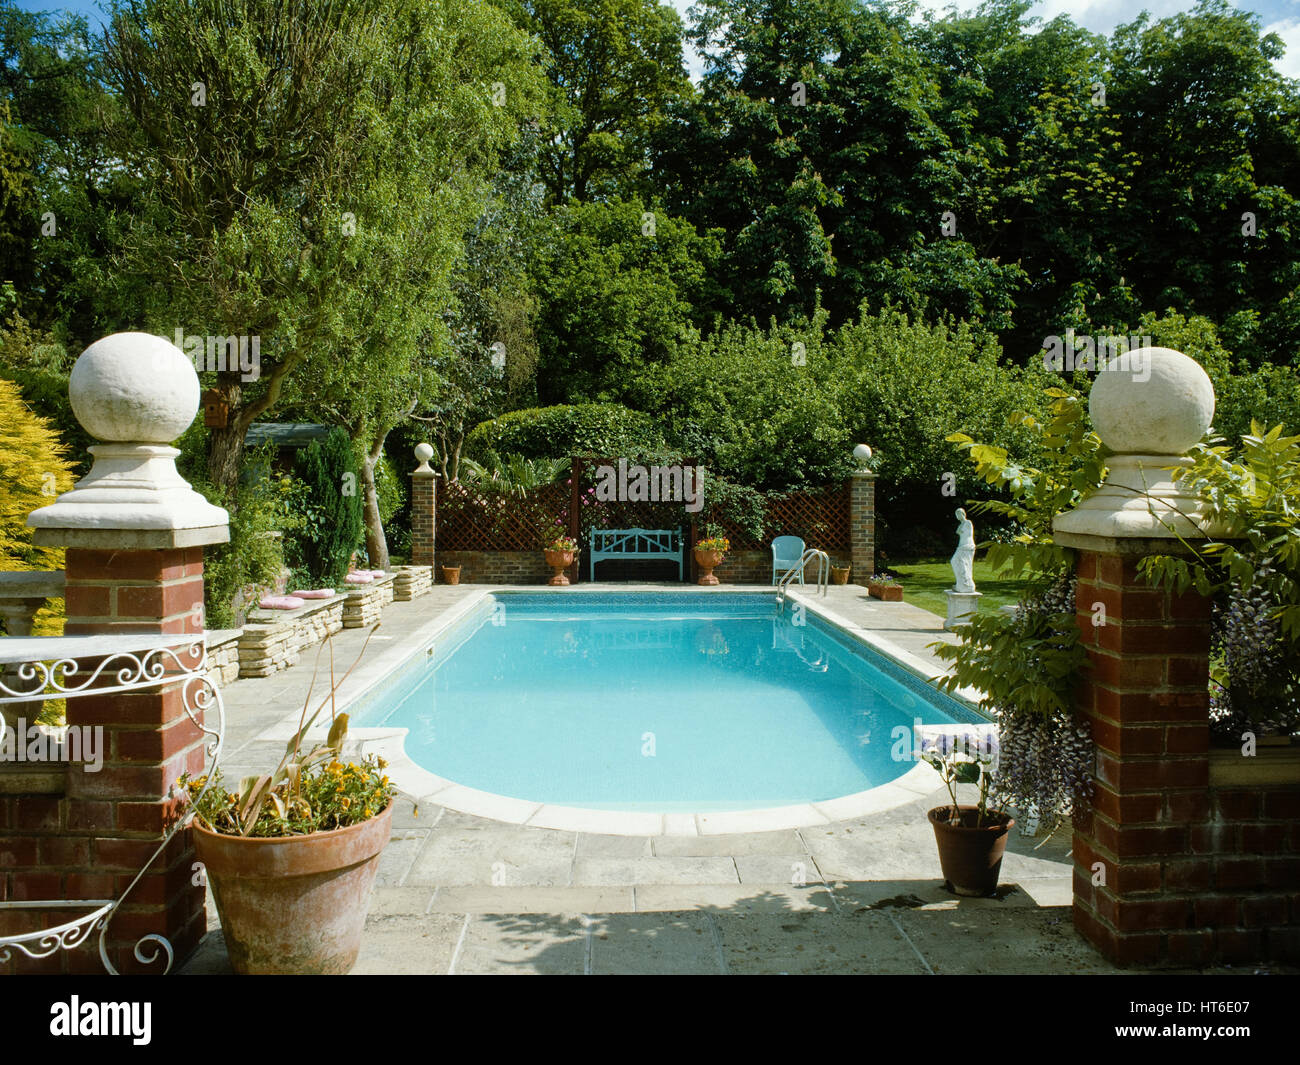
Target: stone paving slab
(522, 944)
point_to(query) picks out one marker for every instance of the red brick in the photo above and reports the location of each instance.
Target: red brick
(90, 816)
(1126, 879)
(1230, 873)
(151, 817)
(88, 601)
(120, 782)
(1193, 672)
(1129, 774)
(65, 851)
(1216, 911)
(152, 565)
(1210, 839)
(38, 814)
(90, 886)
(156, 745)
(1187, 876)
(1237, 805)
(1128, 809)
(131, 708)
(1237, 945)
(17, 851)
(1187, 739)
(1263, 839)
(1128, 671)
(1282, 873)
(1086, 566)
(1187, 806)
(1153, 638)
(1148, 915)
(1263, 910)
(1126, 740)
(1284, 805)
(32, 886)
(1190, 948)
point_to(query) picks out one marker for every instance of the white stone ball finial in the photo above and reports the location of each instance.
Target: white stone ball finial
(134, 388)
(423, 453)
(863, 454)
(1149, 406)
(1151, 401)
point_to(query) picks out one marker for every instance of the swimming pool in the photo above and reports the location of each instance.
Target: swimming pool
(655, 702)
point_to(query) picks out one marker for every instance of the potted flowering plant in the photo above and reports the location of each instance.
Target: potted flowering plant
(291, 855)
(709, 553)
(559, 552)
(971, 839)
(885, 587)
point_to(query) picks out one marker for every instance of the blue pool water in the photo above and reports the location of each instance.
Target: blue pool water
(655, 702)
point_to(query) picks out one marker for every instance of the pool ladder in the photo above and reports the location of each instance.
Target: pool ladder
(823, 574)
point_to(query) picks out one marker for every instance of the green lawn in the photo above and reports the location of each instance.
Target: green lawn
(925, 581)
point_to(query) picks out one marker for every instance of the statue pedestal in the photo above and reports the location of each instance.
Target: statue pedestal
(961, 607)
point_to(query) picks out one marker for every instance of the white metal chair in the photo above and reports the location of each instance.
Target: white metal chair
(786, 552)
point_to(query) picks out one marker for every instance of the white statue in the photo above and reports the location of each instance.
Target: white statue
(963, 559)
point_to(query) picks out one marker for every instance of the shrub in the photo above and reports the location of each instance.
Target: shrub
(243, 570)
(33, 470)
(603, 429)
(330, 507)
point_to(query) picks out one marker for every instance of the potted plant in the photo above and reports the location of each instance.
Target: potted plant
(709, 553)
(840, 574)
(450, 574)
(560, 552)
(291, 855)
(971, 839)
(885, 587)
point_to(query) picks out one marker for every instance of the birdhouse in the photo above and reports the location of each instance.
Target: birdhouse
(216, 409)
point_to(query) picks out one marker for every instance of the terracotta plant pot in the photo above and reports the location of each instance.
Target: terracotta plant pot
(559, 561)
(450, 574)
(888, 593)
(296, 904)
(840, 574)
(707, 561)
(970, 857)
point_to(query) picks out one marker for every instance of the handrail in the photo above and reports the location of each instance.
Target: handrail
(823, 573)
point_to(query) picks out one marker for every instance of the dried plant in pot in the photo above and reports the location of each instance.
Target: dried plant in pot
(840, 573)
(291, 855)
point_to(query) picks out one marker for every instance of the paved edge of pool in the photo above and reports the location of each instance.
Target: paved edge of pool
(430, 789)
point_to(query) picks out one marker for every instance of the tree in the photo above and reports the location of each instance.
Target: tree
(34, 471)
(298, 154)
(614, 67)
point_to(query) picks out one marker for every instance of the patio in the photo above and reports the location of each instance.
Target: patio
(467, 894)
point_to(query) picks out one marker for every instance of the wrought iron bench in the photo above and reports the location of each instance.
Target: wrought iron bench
(655, 544)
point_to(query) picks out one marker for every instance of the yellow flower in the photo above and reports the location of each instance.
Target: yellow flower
(346, 803)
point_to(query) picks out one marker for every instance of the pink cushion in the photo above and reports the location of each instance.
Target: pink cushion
(375, 572)
(282, 602)
(358, 578)
(314, 593)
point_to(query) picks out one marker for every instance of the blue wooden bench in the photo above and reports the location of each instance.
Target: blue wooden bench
(636, 544)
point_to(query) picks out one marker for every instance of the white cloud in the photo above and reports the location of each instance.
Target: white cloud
(1289, 30)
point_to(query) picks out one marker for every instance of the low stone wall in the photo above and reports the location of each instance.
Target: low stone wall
(273, 639)
(223, 655)
(411, 582)
(364, 603)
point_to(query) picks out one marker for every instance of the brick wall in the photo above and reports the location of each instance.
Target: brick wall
(1172, 866)
(69, 833)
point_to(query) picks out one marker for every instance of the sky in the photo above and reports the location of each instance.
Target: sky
(1101, 16)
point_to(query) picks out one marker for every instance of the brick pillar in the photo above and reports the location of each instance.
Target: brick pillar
(862, 525)
(118, 815)
(134, 532)
(1136, 876)
(1138, 873)
(424, 489)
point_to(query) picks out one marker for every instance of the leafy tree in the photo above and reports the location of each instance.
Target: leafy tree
(307, 161)
(614, 67)
(619, 285)
(34, 471)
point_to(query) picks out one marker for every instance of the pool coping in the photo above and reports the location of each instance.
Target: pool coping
(428, 788)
